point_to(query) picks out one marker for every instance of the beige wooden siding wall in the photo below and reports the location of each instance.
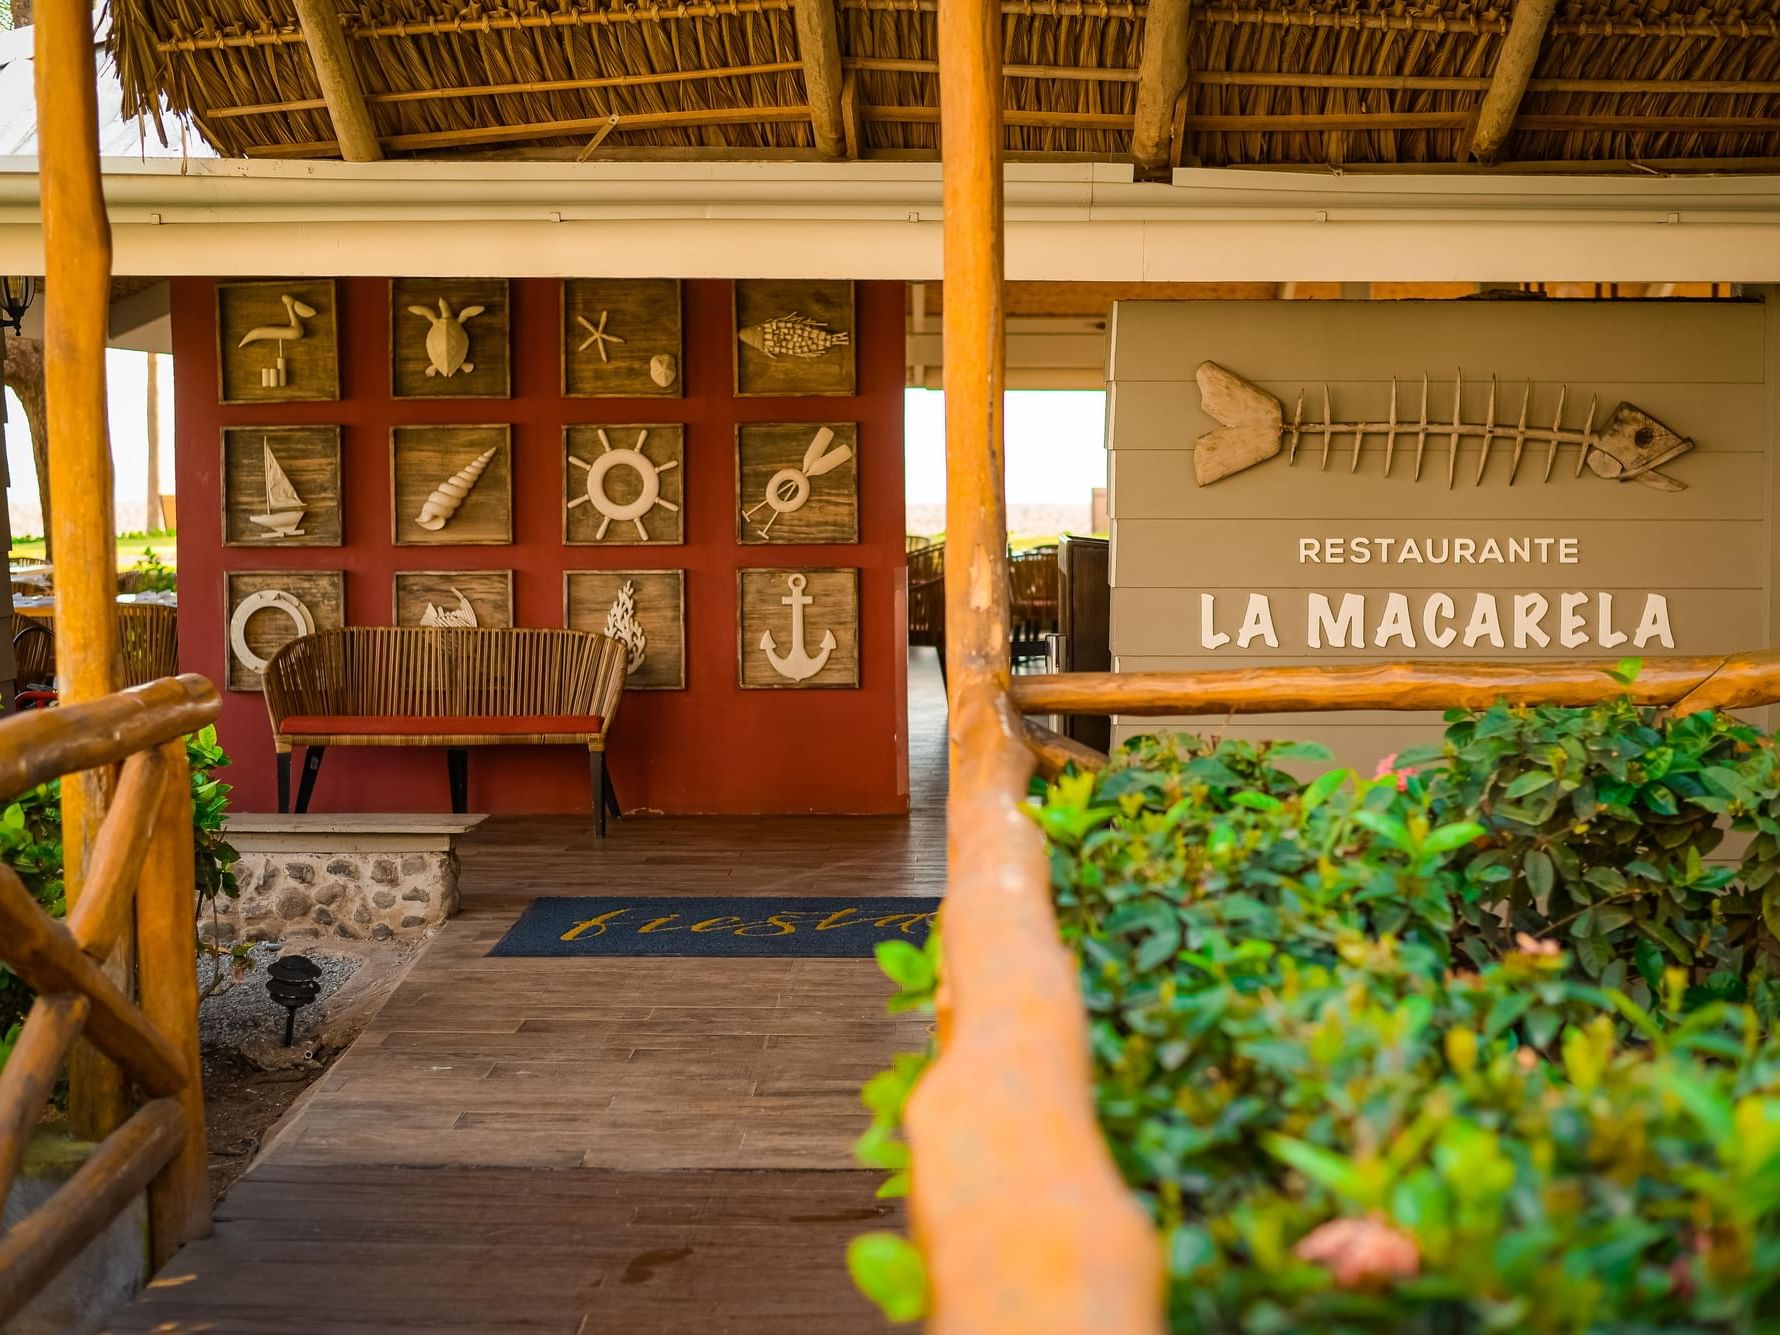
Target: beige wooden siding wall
(1704, 369)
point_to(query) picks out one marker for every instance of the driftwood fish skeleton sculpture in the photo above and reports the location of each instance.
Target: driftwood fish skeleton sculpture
(1253, 429)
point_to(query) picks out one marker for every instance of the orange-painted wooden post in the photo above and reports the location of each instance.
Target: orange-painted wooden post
(1016, 1205)
(77, 303)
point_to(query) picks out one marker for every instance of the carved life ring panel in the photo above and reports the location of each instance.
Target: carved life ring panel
(275, 600)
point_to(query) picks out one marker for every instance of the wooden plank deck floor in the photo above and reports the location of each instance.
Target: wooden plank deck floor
(583, 1146)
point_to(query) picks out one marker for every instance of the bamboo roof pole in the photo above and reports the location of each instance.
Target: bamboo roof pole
(1161, 78)
(338, 80)
(77, 301)
(819, 47)
(1508, 84)
(1021, 1216)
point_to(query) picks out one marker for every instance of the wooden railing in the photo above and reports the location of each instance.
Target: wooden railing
(1016, 1204)
(138, 874)
(1687, 683)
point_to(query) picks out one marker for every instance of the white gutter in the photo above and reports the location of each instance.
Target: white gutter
(881, 220)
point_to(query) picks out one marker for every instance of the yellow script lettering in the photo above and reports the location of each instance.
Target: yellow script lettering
(716, 924)
(660, 924)
(593, 926)
(780, 921)
(833, 920)
(905, 922)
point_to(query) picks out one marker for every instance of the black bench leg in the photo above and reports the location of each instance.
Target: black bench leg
(311, 767)
(596, 764)
(283, 781)
(612, 803)
(457, 770)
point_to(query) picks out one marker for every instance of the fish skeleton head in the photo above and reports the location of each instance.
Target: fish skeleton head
(1632, 444)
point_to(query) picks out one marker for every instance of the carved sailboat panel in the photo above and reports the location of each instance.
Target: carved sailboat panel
(284, 508)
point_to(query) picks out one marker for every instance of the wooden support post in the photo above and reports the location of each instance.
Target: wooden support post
(1514, 67)
(166, 929)
(77, 305)
(1018, 1210)
(338, 80)
(1161, 79)
(819, 46)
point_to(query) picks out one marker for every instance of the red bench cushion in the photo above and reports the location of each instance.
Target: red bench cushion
(411, 725)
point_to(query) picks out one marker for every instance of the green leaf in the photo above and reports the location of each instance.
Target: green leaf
(1327, 1169)
(1300, 751)
(1456, 835)
(888, 1270)
(1323, 787)
(906, 965)
(1530, 782)
(1627, 671)
(1536, 867)
(1257, 801)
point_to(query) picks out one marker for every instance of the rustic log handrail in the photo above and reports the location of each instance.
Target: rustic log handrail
(1734, 681)
(141, 860)
(1016, 1205)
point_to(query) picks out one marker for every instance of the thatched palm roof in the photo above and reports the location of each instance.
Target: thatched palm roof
(1662, 83)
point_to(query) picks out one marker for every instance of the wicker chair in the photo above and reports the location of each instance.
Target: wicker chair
(148, 634)
(1032, 594)
(34, 662)
(383, 686)
(927, 599)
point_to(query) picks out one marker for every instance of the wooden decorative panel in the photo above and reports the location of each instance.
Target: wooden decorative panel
(798, 628)
(797, 482)
(277, 342)
(452, 486)
(794, 337)
(624, 485)
(263, 469)
(594, 600)
(267, 609)
(449, 338)
(454, 598)
(621, 338)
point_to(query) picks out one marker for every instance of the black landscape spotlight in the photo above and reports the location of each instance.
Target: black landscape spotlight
(293, 981)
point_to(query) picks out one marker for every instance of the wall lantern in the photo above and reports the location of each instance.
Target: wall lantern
(293, 981)
(17, 292)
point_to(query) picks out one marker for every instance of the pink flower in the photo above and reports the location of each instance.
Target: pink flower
(1387, 768)
(1364, 1254)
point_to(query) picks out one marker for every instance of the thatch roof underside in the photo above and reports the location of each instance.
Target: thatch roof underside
(1659, 83)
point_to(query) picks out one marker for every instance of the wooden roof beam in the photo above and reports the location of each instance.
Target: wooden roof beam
(1161, 78)
(819, 47)
(1508, 85)
(326, 40)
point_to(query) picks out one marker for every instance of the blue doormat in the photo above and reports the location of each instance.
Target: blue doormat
(716, 925)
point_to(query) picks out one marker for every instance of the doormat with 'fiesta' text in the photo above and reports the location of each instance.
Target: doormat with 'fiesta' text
(716, 925)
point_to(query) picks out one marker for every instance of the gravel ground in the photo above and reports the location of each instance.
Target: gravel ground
(242, 1010)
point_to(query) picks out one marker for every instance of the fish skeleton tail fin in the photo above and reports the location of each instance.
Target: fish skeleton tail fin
(1250, 421)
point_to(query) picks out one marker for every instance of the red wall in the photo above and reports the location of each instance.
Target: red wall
(710, 748)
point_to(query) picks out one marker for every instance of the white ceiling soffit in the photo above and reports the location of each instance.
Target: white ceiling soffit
(882, 220)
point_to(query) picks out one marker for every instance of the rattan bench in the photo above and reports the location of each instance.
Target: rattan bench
(383, 686)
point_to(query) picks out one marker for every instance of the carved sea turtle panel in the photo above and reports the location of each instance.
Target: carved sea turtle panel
(277, 342)
(281, 486)
(624, 485)
(481, 598)
(449, 338)
(267, 609)
(798, 628)
(794, 337)
(594, 600)
(451, 486)
(621, 338)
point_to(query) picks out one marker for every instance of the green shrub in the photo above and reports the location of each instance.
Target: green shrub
(1343, 1060)
(1601, 825)
(31, 844)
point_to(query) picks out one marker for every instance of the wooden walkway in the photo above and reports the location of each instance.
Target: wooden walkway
(572, 1146)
